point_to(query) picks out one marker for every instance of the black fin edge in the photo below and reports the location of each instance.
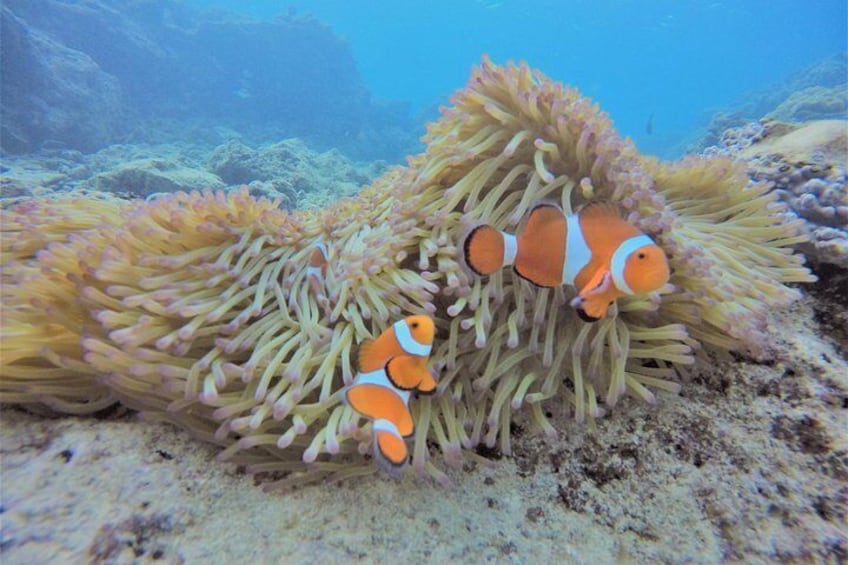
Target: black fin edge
(585, 317)
(391, 380)
(466, 247)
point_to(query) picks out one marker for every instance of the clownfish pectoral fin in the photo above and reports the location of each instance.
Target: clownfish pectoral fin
(487, 249)
(584, 316)
(428, 384)
(410, 373)
(594, 300)
(600, 283)
(412, 335)
(390, 449)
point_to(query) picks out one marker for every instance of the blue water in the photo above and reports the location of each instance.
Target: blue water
(678, 60)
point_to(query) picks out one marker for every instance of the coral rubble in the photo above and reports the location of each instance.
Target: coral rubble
(195, 307)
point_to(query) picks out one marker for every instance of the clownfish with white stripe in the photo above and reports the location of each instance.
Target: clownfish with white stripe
(595, 251)
(402, 350)
(391, 367)
(316, 268)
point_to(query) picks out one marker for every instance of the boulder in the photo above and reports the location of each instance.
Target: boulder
(289, 76)
(144, 177)
(52, 93)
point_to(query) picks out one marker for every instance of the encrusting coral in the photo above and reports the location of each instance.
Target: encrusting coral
(195, 308)
(807, 166)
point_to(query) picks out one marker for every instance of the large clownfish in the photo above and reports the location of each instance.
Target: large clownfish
(390, 368)
(595, 251)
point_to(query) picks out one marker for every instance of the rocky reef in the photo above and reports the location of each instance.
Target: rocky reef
(806, 165)
(287, 170)
(53, 93)
(818, 92)
(83, 75)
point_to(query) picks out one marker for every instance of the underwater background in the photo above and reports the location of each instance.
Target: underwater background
(113, 109)
(679, 62)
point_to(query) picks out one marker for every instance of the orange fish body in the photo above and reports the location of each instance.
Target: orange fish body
(390, 368)
(373, 396)
(595, 251)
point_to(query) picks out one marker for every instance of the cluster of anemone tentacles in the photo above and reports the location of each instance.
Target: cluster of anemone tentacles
(195, 308)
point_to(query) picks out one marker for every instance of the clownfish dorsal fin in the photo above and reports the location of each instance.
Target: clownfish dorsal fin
(604, 228)
(600, 209)
(365, 353)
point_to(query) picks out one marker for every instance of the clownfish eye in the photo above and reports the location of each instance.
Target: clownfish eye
(642, 255)
(414, 325)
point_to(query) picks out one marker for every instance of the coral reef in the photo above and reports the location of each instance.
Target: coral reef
(813, 103)
(150, 176)
(806, 165)
(289, 171)
(195, 307)
(817, 92)
(51, 92)
(86, 75)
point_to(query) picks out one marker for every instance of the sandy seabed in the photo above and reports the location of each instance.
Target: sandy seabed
(748, 464)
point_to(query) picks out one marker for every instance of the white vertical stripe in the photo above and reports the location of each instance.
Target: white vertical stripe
(377, 377)
(510, 248)
(322, 248)
(380, 378)
(407, 342)
(577, 252)
(619, 260)
(383, 425)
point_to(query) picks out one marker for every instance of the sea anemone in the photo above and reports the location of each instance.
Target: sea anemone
(195, 308)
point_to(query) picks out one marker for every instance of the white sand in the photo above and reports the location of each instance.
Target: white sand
(748, 464)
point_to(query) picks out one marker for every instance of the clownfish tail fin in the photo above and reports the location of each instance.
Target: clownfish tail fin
(487, 249)
(390, 450)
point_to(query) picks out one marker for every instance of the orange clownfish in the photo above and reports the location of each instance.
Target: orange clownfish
(595, 251)
(390, 368)
(402, 350)
(316, 269)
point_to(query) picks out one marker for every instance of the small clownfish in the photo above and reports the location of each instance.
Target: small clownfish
(402, 351)
(595, 251)
(316, 269)
(390, 368)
